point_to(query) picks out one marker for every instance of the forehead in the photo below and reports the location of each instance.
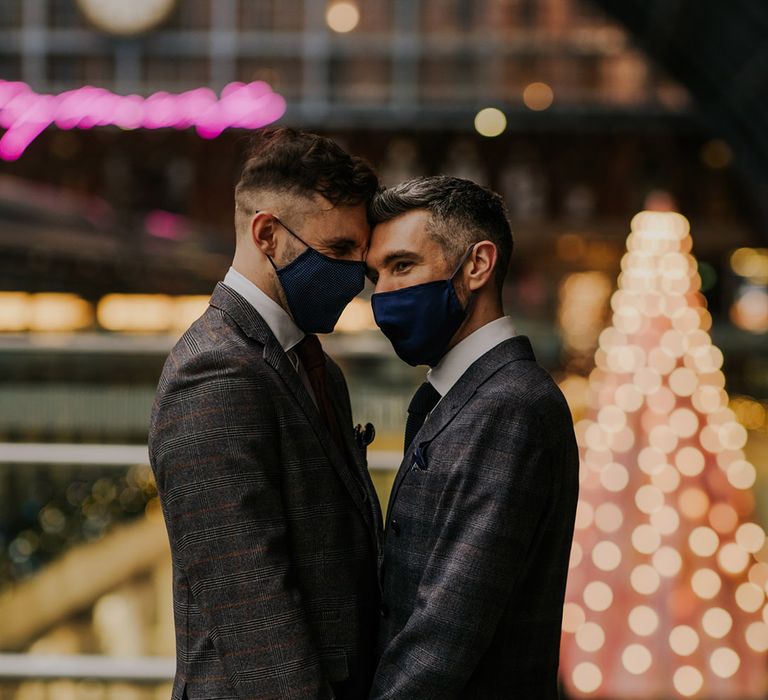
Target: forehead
(342, 220)
(407, 232)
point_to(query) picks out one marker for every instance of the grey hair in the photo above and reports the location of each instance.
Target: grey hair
(461, 213)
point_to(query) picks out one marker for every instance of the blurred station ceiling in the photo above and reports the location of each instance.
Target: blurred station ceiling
(719, 51)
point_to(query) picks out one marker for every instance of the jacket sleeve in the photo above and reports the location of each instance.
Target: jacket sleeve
(487, 517)
(215, 451)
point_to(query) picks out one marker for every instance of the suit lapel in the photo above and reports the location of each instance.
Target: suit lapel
(517, 348)
(440, 417)
(345, 421)
(276, 358)
(255, 327)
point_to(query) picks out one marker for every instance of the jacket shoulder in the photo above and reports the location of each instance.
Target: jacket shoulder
(212, 359)
(524, 386)
(213, 348)
(214, 333)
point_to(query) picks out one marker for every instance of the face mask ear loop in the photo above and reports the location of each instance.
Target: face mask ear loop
(293, 233)
(472, 295)
(464, 259)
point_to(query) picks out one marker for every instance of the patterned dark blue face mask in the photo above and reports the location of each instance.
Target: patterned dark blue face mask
(421, 320)
(318, 287)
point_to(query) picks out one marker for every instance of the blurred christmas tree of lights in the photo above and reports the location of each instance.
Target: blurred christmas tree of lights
(668, 575)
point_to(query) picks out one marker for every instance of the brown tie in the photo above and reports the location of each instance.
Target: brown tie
(311, 354)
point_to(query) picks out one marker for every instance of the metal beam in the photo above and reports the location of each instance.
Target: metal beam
(61, 453)
(143, 670)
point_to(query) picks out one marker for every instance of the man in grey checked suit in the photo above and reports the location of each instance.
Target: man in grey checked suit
(272, 518)
(481, 514)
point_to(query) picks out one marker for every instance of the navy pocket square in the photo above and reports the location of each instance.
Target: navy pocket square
(419, 460)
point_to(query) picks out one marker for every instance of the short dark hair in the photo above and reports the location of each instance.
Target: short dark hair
(287, 161)
(461, 213)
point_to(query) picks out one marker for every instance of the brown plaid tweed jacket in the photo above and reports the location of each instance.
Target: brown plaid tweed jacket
(478, 537)
(273, 532)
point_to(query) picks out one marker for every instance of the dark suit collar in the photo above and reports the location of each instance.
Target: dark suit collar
(482, 369)
(479, 372)
(243, 312)
(255, 327)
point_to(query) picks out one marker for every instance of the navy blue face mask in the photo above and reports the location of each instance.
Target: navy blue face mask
(318, 288)
(421, 320)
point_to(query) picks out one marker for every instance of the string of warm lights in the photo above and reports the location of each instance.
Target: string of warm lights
(128, 313)
(668, 575)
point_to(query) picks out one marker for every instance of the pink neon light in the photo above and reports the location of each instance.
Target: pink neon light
(24, 114)
(164, 224)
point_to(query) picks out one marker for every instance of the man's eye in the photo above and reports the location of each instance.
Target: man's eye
(401, 266)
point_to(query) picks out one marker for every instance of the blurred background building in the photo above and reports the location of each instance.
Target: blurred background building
(579, 113)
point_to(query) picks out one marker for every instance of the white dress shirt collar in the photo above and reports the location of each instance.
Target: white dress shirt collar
(459, 358)
(281, 324)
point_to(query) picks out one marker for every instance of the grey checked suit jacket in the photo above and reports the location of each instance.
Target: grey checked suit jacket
(274, 534)
(478, 536)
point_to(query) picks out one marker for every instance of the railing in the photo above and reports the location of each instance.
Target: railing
(144, 670)
(125, 455)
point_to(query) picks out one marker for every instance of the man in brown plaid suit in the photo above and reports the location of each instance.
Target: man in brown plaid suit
(481, 514)
(272, 518)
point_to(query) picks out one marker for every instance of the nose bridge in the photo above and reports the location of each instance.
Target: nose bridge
(360, 251)
(364, 245)
(385, 283)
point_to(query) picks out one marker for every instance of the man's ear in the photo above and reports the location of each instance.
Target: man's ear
(482, 265)
(263, 226)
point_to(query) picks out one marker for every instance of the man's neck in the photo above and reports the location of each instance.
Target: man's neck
(258, 276)
(482, 313)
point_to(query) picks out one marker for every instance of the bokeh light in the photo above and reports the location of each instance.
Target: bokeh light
(573, 617)
(683, 640)
(732, 558)
(538, 96)
(598, 596)
(606, 555)
(490, 122)
(587, 677)
(608, 517)
(636, 659)
(750, 537)
(724, 662)
(643, 620)
(688, 681)
(342, 16)
(717, 622)
(757, 636)
(706, 583)
(703, 541)
(590, 636)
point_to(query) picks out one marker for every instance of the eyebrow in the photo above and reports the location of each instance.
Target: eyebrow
(340, 240)
(390, 258)
(398, 254)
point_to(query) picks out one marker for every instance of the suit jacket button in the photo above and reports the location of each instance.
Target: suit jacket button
(384, 610)
(395, 527)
